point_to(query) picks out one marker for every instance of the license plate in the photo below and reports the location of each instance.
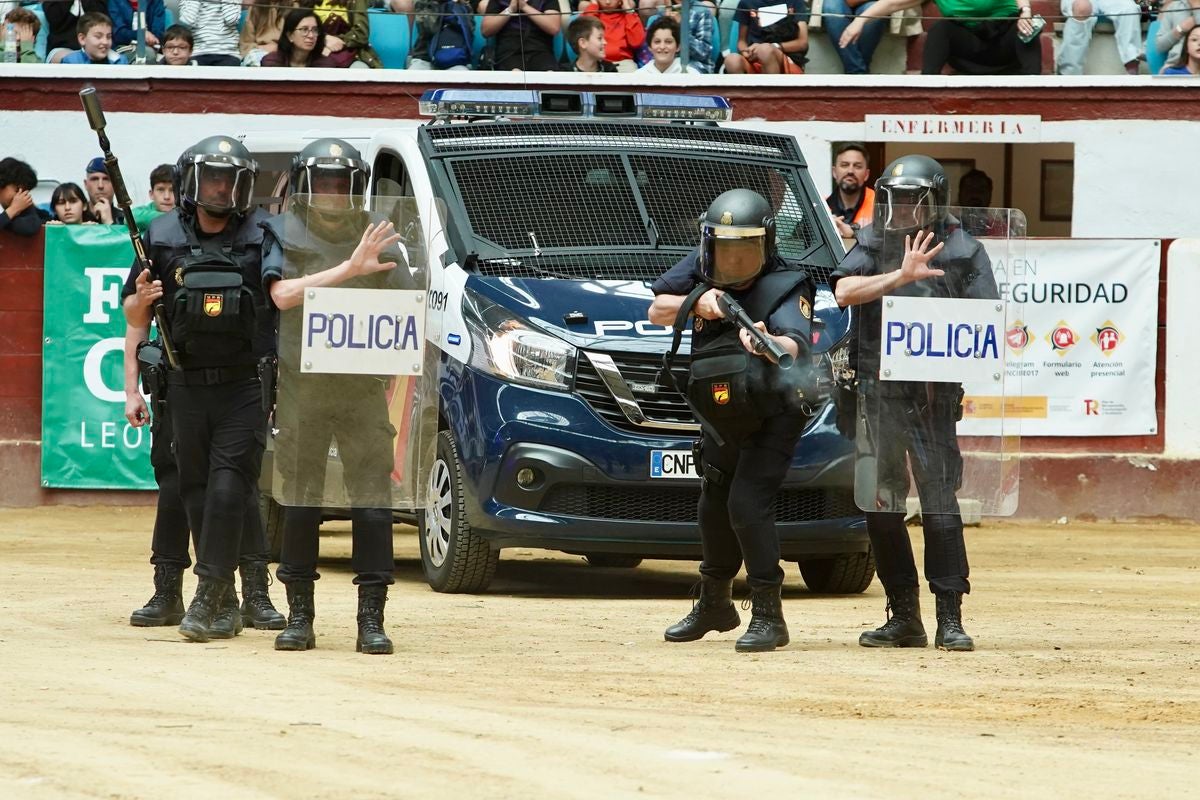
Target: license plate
(671, 464)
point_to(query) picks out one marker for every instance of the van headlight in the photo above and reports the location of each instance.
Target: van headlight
(510, 349)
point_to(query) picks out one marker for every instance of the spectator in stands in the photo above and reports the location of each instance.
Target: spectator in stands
(1126, 17)
(623, 31)
(974, 197)
(100, 193)
(69, 204)
(703, 32)
(772, 38)
(852, 202)
(447, 20)
(664, 45)
(19, 213)
(524, 31)
(975, 37)
(61, 20)
(177, 47)
(1188, 62)
(856, 57)
(261, 30)
(301, 42)
(154, 18)
(214, 25)
(347, 33)
(162, 196)
(1175, 22)
(586, 35)
(94, 34)
(26, 25)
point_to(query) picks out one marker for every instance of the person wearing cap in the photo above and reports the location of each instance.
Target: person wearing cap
(751, 410)
(100, 194)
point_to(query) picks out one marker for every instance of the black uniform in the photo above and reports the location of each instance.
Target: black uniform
(921, 417)
(744, 473)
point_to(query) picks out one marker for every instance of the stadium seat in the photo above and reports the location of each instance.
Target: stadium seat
(389, 37)
(1155, 58)
(480, 43)
(726, 9)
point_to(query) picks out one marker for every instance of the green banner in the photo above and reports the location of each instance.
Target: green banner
(86, 442)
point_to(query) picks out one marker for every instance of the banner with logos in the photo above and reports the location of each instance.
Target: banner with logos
(1081, 342)
(86, 442)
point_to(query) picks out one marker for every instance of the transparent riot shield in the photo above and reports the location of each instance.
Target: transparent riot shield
(938, 406)
(355, 416)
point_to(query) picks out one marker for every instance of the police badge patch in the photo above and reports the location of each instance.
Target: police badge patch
(179, 276)
(213, 304)
(805, 308)
(698, 324)
(720, 393)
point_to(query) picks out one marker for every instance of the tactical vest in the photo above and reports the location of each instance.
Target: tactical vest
(725, 383)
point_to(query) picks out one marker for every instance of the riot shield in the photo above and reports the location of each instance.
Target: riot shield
(938, 407)
(355, 415)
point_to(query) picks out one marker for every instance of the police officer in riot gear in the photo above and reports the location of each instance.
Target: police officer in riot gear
(913, 227)
(751, 411)
(326, 238)
(207, 256)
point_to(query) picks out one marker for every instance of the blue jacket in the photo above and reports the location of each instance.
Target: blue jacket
(153, 12)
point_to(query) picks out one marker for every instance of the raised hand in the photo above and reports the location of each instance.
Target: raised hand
(375, 239)
(917, 255)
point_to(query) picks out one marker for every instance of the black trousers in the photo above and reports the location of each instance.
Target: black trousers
(737, 498)
(315, 411)
(927, 441)
(989, 48)
(220, 433)
(169, 546)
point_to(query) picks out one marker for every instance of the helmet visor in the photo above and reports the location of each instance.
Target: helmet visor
(731, 256)
(334, 183)
(905, 207)
(219, 186)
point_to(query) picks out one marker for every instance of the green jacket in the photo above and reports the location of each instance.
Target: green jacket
(26, 54)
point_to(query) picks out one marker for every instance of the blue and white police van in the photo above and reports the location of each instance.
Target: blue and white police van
(545, 217)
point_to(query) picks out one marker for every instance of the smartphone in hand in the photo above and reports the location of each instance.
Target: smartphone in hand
(1038, 22)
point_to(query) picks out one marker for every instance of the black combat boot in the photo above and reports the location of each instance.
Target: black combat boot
(950, 634)
(257, 608)
(371, 638)
(165, 606)
(298, 635)
(204, 606)
(766, 630)
(714, 611)
(227, 622)
(903, 627)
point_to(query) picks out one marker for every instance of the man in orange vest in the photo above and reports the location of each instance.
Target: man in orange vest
(851, 202)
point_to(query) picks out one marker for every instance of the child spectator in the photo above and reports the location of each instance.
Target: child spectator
(94, 34)
(664, 45)
(772, 38)
(1188, 62)
(347, 33)
(162, 196)
(19, 213)
(623, 31)
(177, 47)
(300, 43)
(154, 18)
(61, 20)
(69, 205)
(586, 35)
(261, 30)
(26, 24)
(1175, 21)
(702, 35)
(214, 26)
(524, 32)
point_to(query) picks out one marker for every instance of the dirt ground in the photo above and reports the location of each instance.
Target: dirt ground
(557, 683)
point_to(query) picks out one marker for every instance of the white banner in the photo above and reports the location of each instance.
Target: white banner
(363, 331)
(1082, 341)
(942, 339)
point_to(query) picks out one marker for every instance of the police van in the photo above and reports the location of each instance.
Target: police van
(542, 218)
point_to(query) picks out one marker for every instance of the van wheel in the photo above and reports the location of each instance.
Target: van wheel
(453, 557)
(612, 560)
(849, 573)
(272, 520)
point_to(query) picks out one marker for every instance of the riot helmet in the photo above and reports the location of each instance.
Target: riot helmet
(737, 238)
(912, 193)
(330, 175)
(216, 174)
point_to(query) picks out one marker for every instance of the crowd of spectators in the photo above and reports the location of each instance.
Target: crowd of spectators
(770, 36)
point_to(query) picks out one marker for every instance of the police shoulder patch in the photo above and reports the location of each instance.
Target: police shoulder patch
(179, 276)
(805, 307)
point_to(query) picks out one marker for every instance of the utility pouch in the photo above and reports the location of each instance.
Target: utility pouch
(213, 310)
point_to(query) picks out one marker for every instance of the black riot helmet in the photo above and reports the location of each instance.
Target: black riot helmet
(332, 170)
(912, 193)
(737, 238)
(216, 174)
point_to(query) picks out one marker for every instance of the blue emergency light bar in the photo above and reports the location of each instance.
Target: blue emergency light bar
(486, 103)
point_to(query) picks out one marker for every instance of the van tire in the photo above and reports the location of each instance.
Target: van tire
(615, 560)
(272, 521)
(849, 573)
(468, 561)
